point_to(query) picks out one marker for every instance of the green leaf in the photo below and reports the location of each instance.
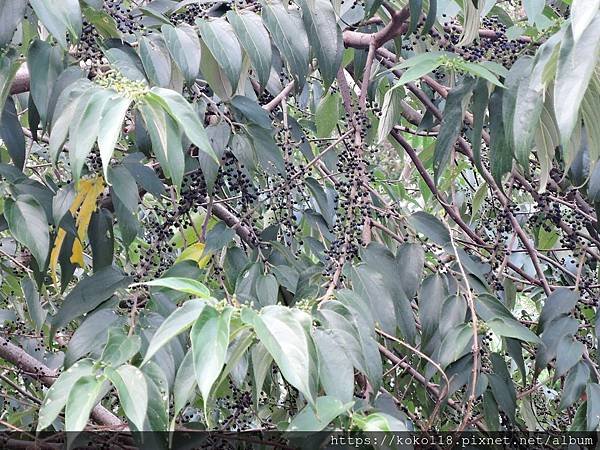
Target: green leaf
(187, 118)
(415, 8)
(261, 365)
(255, 40)
(419, 65)
(430, 226)
(576, 63)
(177, 322)
(83, 396)
(592, 391)
(124, 187)
(12, 12)
(102, 21)
(11, 133)
(431, 298)
(210, 339)
(453, 345)
(120, 347)
(551, 336)
(267, 289)
(64, 114)
(184, 47)
(133, 392)
(500, 150)
(431, 16)
(290, 38)
(500, 320)
(479, 70)
(390, 112)
(90, 335)
(85, 127)
(165, 135)
(527, 110)
(45, 65)
(185, 383)
(560, 302)
(89, 293)
(324, 36)
(568, 353)
(336, 373)
(125, 59)
(157, 415)
(186, 285)
(111, 123)
(480, 102)
(513, 329)
(155, 59)
(327, 115)
(37, 314)
(451, 125)
(28, 225)
(503, 387)
(57, 394)
(218, 36)
(252, 111)
(533, 9)
(288, 343)
(59, 18)
(582, 13)
(316, 419)
(574, 384)
(8, 68)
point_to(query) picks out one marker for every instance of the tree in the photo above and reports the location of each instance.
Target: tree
(371, 215)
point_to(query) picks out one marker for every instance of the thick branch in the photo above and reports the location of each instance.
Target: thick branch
(27, 363)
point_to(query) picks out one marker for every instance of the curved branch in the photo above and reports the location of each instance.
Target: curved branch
(27, 363)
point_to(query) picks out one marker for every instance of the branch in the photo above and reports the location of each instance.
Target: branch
(27, 363)
(278, 99)
(20, 82)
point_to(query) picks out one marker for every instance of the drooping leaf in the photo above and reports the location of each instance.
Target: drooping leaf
(83, 396)
(133, 392)
(335, 369)
(324, 36)
(180, 320)
(119, 348)
(111, 123)
(592, 391)
(11, 133)
(45, 64)
(315, 419)
(88, 294)
(451, 125)
(187, 118)
(576, 63)
(210, 339)
(218, 36)
(59, 18)
(184, 47)
(255, 41)
(187, 285)
(290, 37)
(288, 343)
(430, 226)
(327, 115)
(37, 313)
(574, 384)
(56, 397)
(28, 224)
(12, 12)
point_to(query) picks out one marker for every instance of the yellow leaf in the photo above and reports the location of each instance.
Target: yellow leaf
(195, 252)
(85, 202)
